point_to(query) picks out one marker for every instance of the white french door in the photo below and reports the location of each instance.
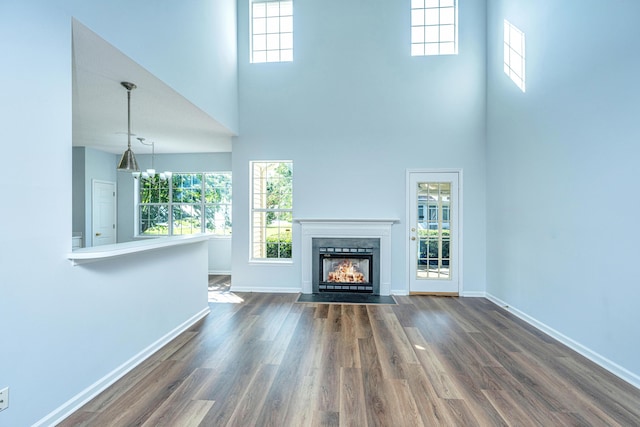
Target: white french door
(433, 232)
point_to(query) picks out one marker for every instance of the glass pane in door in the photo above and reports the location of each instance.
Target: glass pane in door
(433, 230)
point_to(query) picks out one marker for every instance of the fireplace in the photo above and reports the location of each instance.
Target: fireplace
(314, 230)
(346, 265)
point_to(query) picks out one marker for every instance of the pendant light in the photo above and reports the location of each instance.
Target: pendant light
(128, 161)
(151, 172)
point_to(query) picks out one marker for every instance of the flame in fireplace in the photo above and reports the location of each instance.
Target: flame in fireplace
(346, 272)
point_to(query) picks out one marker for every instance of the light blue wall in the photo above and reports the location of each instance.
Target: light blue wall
(65, 327)
(353, 111)
(562, 181)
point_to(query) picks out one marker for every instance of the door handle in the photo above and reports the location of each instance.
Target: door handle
(98, 234)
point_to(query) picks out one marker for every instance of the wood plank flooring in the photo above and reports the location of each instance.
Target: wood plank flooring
(428, 361)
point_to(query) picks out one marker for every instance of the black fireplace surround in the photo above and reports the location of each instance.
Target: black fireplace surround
(346, 265)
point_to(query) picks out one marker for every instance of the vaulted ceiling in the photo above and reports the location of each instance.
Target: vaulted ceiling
(158, 113)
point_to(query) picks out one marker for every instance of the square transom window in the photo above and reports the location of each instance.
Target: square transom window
(271, 31)
(434, 27)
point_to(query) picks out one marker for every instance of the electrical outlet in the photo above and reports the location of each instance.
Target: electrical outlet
(4, 398)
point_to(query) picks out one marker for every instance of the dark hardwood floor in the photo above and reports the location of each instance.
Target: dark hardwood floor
(428, 361)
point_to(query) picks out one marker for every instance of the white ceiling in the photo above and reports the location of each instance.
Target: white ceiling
(158, 113)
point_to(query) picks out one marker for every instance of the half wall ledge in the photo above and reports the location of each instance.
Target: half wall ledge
(98, 253)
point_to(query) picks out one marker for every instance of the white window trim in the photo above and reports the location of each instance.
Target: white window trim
(136, 209)
(266, 261)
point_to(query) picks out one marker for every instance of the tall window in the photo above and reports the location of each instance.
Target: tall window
(187, 203)
(271, 31)
(434, 27)
(514, 54)
(271, 209)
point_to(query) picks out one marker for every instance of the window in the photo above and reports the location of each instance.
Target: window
(271, 209)
(433, 214)
(187, 203)
(271, 31)
(514, 54)
(434, 27)
(153, 206)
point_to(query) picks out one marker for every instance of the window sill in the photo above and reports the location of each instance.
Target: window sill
(272, 262)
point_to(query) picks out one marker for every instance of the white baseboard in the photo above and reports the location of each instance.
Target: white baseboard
(99, 386)
(265, 290)
(220, 272)
(605, 363)
(473, 294)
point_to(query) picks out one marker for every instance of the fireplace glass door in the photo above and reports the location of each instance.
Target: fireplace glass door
(345, 264)
(346, 272)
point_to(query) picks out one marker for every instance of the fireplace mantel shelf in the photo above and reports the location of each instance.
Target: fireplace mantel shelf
(349, 220)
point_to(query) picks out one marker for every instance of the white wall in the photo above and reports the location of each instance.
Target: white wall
(66, 327)
(353, 111)
(563, 173)
(219, 255)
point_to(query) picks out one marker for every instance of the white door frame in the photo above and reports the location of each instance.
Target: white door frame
(459, 249)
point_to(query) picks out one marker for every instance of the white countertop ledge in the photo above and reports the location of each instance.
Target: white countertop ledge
(97, 253)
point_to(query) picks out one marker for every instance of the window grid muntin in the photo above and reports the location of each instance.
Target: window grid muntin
(514, 55)
(271, 223)
(155, 216)
(434, 231)
(186, 218)
(434, 27)
(177, 202)
(271, 37)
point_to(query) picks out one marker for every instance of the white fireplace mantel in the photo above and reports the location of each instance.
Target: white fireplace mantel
(356, 227)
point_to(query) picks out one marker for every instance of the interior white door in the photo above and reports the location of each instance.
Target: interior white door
(434, 231)
(103, 213)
